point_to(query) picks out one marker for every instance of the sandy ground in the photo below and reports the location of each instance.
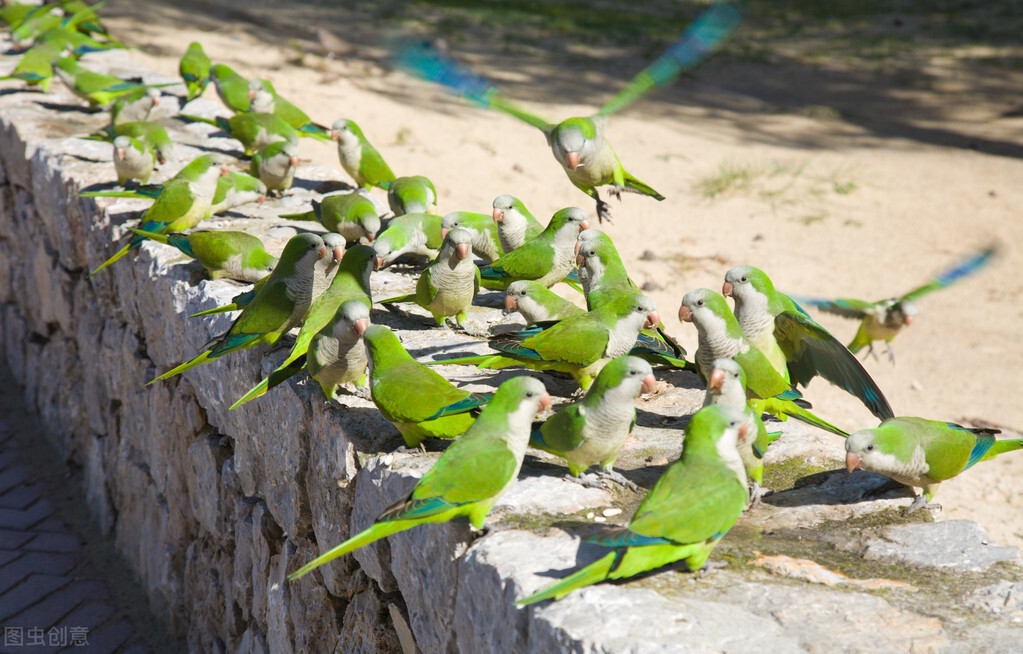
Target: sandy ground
(857, 187)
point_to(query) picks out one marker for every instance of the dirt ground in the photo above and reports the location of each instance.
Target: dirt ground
(842, 168)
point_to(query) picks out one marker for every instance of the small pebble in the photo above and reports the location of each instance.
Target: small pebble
(387, 460)
(607, 513)
(600, 519)
(589, 516)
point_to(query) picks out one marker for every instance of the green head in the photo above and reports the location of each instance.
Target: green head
(521, 396)
(716, 428)
(413, 194)
(708, 310)
(747, 284)
(632, 374)
(570, 219)
(301, 249)
(457, 244)
(506, 204)
(383, 347)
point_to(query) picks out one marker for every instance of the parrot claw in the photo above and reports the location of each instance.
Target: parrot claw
(891, 353)
(603, 211)
(362, 392)
(618, 478)
(756, 495)
(921, 503)
(709, 567)
(586, 480)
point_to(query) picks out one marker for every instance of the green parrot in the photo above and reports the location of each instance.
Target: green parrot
(727, 385)
(181, 205)
(134, 107)
(415, 194)
(153, 135)
(358, 157)
(275, 165)
(883, 320)
(16, 12)
(419, 402)
(232, 88)
(797, 347)
(579, 345)
(236, 189)
(35, 67)
(579, 144)
(449, 284)
(592, 430)
(132, 160)
(547, 259)
(194, 68)
(263, 98)
(923, 453)
(234, 255)
(352, 215)
(98, 89)
(281, 303)
(350, 282)
(411, 233)
(515, 225)
(690, 508)
(253, 131)
(468, 478)
(537, 303)
(720, 337)
(483, 231)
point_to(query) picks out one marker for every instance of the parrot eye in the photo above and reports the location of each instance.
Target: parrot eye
(732, 423)
(744, 279)
(529, 393)
(632, 373)
(699, 303)
(870, 448)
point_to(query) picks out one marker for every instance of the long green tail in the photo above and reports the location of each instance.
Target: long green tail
(117, 255)
(374, 533)
(594, 573)
(155, 236)
(783, 408)
(275, 378)
(201, 358)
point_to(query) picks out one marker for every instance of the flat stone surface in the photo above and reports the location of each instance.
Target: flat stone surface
(959, 545)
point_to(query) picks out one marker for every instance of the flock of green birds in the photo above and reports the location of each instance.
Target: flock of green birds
(753, 356)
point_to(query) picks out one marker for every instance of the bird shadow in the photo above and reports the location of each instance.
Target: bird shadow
(60, 107)
(834, 487)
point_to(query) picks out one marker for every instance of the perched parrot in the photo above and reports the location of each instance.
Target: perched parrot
(797, 347)
(411, 233)
(579, 144)
(449, 284)
(694, 503)
(415, 194)
(275, 165)
(263, 98)
(132, 160)
(350, 282)
(592, 430)
(883, 320)
(923, 453)
(419, 402)
(150, 134)
(194, 68)
(134, 107)
(98, 89)
(35, 67)
(236, 189)
(579, 345)
(234, 255)
(546, 259)
(727, 385)
(537, 303)
(232, 88)
(281, 303)
(720, 337)
(515, 225)
(358, 157)
(351, 215)
(469, 477)
(253, 131)
(483, 231)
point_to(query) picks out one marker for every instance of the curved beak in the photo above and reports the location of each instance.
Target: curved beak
(907, 321)
(498, 216)
(444, 233)
(853, 461)
(156, 100)
(252, 95)
(371, 237)
(743, 432)
(119, 153)
(293, 162)
(462, 250)
(652, 320)
(261, 199)
(584, 225)
(335, 135)
(573, 159)
(322, 252)
(224, 171)
(361, 325)
(545, 402)
(684, 314)
(510, 303)
(717, 379)
(649, 383)
(339, 252)
(379, 263)
(580, 260)
(578, 246)
(726, 290)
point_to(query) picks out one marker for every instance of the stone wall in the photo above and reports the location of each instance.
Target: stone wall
(213, 507)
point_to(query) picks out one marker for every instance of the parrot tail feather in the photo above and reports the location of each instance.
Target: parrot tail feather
(374, 533)
(591, 574)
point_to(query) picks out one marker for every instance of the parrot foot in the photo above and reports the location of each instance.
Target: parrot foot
(362, 392)
(618, 478)
(756, 495)
(709, 567)
(921, 503)
(603, 211)
(870, 352)
(891, 353)
(587, 480)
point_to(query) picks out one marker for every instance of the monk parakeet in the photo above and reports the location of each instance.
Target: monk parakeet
(349, 282)
(151, 134)
(134, 107)
(253, 131)
(448, 285)
(353, 215)
(275, 165)
(883, 320)
(194, 68)
(579, 144)
(694, 503)
(727, 385)
(358, 157)
(415, 194)
(923, 453)
(232, 88)
(537, 303)
(132, 160)
(797, 347)
(263, 98)
(546, 259)
(236, 189)
(579, 345)
(720, 337)
(515, 225)
(412, 233)
(482, 230)
(469, 477)
(281, 303)
(35, 67)
(98, 89)
(234, 255)
(419, 402)
(592, 430)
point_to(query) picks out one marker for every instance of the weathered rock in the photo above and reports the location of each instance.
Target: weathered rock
(959, 545)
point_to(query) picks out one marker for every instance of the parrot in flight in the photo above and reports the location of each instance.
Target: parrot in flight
(579, 144)
(194, 68)
(469, 477)
(690, 508)
(923, 453)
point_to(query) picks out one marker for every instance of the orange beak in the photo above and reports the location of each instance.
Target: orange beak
(156, 101)
(545, 402)
(726, 290)
(584, 225)
(578, 246)
(649, 383)
(652, 320)
(119, 153)
(743, 433)
(252, 95)
(335, 135)
(853, 461)
(261, 199)
(684, 314)
(224, 171)
(338, 253)
(717, 379)
(498, 216)
(573, 159)
(361, 325)
(371, 237)
(444, 233)
(580, 260)
(907, 321)
(510, 303)
(462, 250)
(379, 263)
(293, 161)
(322, 252)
